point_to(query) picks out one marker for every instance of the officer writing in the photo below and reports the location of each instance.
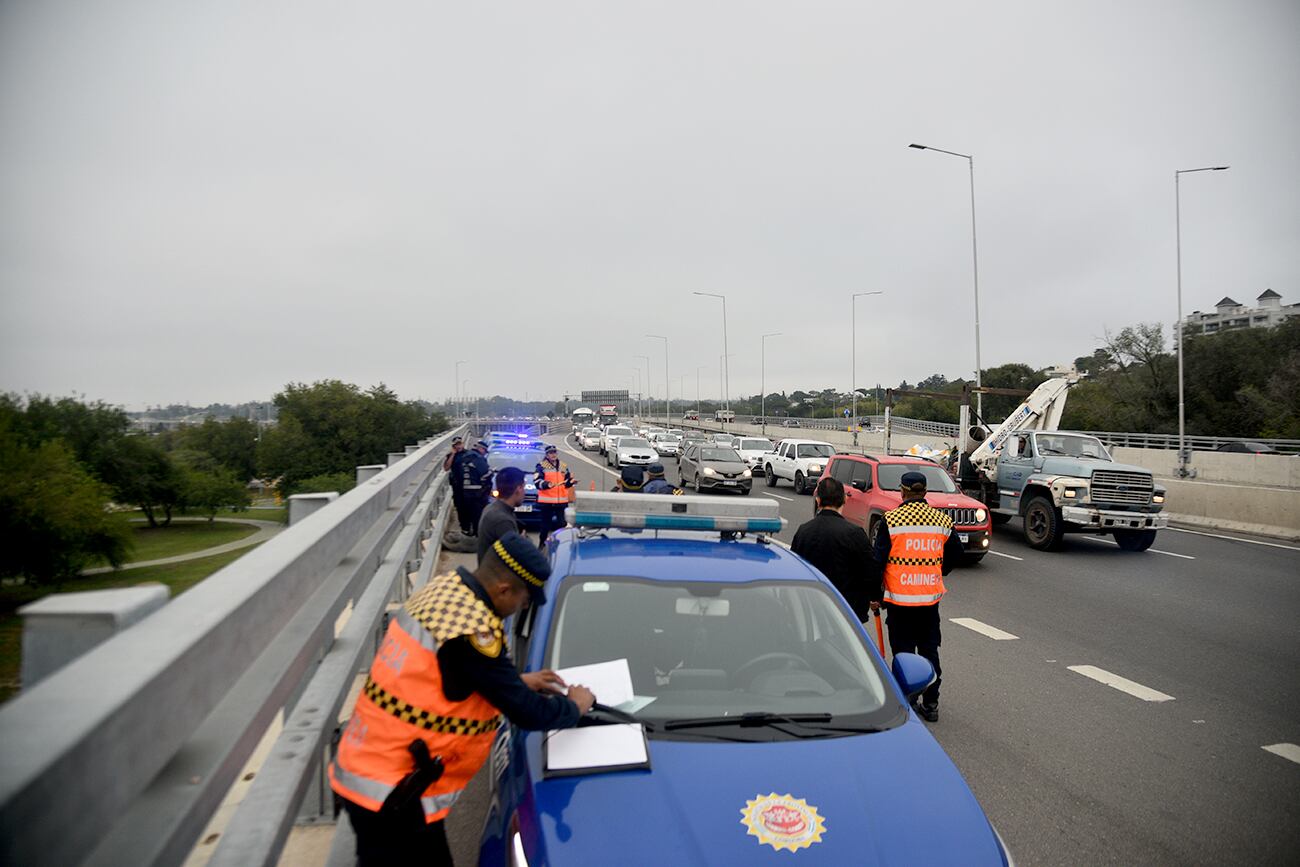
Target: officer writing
(916, 547)
(476, 484)
(553, 484)
(432, 704)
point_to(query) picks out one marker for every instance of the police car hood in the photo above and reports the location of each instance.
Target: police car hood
(892, 797)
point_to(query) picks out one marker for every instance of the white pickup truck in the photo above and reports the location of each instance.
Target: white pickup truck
(800, 461)
(613, 432)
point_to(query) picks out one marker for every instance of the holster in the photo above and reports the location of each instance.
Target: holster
(428, 769)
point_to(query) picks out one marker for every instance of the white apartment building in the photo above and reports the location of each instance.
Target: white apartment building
(1229, 314)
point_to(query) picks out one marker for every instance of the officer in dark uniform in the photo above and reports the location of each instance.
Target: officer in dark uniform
(453, 464)
(476, 484)
(426, 718)
(915, 547)
(657, 484)
(631, 480)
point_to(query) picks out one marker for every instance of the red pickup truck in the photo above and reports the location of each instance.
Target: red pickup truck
(871, 485)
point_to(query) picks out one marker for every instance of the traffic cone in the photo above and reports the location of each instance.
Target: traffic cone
(593, 486)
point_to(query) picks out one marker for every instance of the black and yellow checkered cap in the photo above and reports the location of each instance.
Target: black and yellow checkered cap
(525, 560)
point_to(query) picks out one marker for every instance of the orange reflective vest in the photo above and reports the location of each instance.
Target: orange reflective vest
(551, 480)
(914, 570)
(402, 700)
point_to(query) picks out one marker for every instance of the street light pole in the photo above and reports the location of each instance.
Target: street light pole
(726, 372)
(645, 405)
(459, 411)
(762, 389)
(667, 421)
(975, 261)
(637, 371)
(697, 390)
(854, 420)
(1178, 324)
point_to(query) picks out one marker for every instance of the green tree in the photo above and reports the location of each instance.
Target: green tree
(141, 474)
(208, 491)
(232, 443)
(340, 482)
(54, 517)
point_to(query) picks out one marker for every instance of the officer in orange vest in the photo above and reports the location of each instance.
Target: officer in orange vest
(915, 547)
(429, 711)
(553, 482)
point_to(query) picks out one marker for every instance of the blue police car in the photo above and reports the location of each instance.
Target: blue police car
(766, 727)
(518, 450)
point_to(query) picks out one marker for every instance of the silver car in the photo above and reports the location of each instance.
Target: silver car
(709, 467)
(665, 444)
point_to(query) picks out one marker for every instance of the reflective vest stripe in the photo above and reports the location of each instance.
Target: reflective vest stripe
(379, 792)
(409, 713)
(914, 528)
(912, 598)
(412, 627)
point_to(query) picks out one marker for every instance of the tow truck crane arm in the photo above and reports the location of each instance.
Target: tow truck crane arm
(1041, 411)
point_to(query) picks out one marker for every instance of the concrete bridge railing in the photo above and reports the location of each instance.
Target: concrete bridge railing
(122, 756)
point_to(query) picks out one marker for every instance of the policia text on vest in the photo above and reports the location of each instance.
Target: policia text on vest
(438, 688)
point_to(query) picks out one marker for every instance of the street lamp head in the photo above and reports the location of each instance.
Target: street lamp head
(918, 147)
(1220, 168)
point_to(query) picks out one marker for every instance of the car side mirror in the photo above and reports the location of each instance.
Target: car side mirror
(913, 673)
(859, 484)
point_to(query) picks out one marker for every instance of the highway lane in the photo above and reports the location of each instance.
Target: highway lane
(1074, 770)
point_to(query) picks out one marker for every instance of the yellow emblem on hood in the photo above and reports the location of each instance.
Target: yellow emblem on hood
(783, 821)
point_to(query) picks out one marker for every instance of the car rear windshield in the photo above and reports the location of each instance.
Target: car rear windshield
(719, 455)
(756, 445)
(708, 650)
(815, 450)
(890, 476)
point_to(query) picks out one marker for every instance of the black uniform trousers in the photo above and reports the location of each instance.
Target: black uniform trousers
(403, 839)
(462, 511)
(915, 629)
(552, 517)
(474, 503)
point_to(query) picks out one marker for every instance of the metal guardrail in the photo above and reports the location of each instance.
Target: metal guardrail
(1194, 443)
(122, 756)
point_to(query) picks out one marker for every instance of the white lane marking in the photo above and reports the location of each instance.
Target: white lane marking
(1123, 684)
(1233, 538)
(580, 456)
(1286, 751)
(1150, 550)
(1008, 556)
(984, 629)
(778, 496)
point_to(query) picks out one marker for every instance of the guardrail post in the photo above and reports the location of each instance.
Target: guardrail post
(369, 471)
(62, 626)
(302, 505)
(396, 458)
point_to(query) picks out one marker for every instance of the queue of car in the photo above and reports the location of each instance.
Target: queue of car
(755, 722)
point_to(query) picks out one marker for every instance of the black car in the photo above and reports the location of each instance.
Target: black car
(1248, 447)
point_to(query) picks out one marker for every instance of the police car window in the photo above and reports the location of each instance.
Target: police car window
(842, 470)
(722, 649)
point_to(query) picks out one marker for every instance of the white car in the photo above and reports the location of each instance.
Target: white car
(589, 439)
(665, 444)
(752, 450)
(724, 439)
(631, 450)
(612, 432)
(676, 431)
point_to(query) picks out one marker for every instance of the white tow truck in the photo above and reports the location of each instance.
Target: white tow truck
(1057, 481)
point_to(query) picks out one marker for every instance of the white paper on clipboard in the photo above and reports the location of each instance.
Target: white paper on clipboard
(592, 747)
(610, 682)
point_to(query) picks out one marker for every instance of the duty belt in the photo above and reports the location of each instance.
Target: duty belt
(424, 719)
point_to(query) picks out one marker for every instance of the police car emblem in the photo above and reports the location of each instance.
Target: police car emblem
(783, 821)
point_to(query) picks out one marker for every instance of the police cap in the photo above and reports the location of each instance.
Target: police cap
(481, 444)
(525, 560)
(655, 469)
(913, 482)
(633, 475)
(550, 448)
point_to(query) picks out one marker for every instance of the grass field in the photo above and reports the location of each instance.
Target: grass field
(154, 543)
(179, 577)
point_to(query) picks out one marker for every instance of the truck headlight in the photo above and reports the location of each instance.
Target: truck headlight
(747, 475)
(980, 516)
(1076, 493)
(814, 468)
(710, 471)
(1157, 498)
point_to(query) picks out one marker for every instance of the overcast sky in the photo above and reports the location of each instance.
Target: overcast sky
(203, 201)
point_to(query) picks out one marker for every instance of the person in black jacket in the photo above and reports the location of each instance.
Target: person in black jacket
(476, 484)
(840, 550)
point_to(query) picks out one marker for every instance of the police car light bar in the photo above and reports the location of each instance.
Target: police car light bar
(659, 512)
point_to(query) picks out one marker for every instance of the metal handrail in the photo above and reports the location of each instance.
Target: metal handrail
(141, 738)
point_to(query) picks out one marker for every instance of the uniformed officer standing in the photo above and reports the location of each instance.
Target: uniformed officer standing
(553, 482)
(499, 517)
(453, 464)
(916, 547)
(429, 711)
(657, 484)
(476, 484)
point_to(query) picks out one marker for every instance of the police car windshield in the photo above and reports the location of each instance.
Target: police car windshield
(700, 651)
(523, 459)
(890, 477)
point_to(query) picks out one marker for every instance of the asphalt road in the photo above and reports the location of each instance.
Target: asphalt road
(1169, 769)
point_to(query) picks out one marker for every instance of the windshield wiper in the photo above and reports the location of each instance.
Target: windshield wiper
(814, 721)
(621, 715)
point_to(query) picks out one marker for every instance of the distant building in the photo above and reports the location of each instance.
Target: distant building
(1229, 315)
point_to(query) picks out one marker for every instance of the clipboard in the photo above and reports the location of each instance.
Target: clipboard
(595, 749)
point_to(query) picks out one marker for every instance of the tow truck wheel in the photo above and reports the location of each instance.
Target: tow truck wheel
(1044, 528)
(1135, 540)
(771, 476)
(799, 483)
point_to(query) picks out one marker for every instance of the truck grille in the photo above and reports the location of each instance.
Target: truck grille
(1113, 486)
(962, 517)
